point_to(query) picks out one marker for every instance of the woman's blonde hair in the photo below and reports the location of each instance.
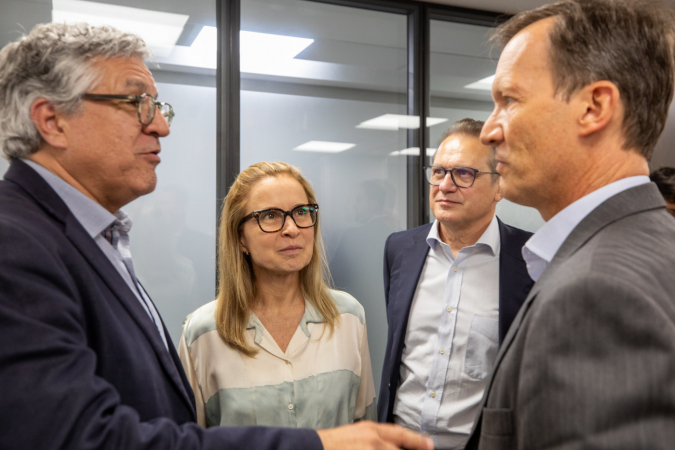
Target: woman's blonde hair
(236, 280)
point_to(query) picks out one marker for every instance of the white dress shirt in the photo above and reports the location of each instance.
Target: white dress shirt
(540, 249)
(452, 339)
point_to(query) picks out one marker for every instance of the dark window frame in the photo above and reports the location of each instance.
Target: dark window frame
(419, 16)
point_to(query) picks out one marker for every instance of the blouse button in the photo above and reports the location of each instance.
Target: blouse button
(290, 406)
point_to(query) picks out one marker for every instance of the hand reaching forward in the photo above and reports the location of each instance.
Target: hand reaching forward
(373, 436)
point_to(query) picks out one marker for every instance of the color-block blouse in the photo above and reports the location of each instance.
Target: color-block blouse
(319, 382)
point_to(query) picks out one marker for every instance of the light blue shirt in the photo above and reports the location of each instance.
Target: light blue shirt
(540, 249)
(451, 340)
(94, 218)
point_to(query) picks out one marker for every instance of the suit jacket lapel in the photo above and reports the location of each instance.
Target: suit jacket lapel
(632, 201)
(514, 280)
(402, 291)
(412, 262)
(40, 190)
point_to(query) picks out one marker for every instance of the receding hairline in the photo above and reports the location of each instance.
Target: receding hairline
(459, 134)
(520, 49)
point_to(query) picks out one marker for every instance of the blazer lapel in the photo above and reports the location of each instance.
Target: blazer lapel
(632, 201)
(412, 261)
(407, 269)
(40, 190)
(514, 280)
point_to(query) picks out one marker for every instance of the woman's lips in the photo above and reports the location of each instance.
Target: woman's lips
(291, 250)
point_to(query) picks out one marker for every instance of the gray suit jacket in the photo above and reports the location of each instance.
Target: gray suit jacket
(589, 361)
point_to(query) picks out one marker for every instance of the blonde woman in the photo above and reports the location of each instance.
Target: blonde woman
(277, 347)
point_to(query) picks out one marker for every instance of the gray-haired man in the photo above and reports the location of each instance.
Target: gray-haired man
(86, 361)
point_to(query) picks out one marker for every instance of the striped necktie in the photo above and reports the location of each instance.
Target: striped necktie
(118, 236)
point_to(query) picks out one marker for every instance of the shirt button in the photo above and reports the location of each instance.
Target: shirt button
(433, 394)
(290, 406)
(455, 269)
(442, 352)
(448, 309)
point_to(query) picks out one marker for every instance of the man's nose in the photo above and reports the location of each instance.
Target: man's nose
(159, 125)
(491, 134)
(448, 184)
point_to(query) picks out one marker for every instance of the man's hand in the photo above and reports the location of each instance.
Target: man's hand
(373, 436)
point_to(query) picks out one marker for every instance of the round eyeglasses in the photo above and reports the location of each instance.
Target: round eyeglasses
(147, 105)
(273, 219)
(463, 177)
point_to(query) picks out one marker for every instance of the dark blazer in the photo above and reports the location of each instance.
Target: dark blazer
(81, 363)
(405, 253)
(589, 361)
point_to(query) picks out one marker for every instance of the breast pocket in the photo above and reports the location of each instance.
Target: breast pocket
(482, 346)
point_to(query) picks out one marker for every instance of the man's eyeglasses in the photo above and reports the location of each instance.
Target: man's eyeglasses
(463, 177)
(146, 103)
(273, 219)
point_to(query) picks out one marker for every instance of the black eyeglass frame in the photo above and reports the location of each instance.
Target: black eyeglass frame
(256, 215)
(452, 177)
(135, 99)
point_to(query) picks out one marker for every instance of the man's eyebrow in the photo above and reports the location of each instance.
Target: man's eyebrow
(142, 87)
(137, 84)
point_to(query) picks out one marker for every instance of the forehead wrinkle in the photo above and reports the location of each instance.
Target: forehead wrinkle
(131, 82)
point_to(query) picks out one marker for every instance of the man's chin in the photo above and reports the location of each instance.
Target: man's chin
(516, 194)
(148, 186)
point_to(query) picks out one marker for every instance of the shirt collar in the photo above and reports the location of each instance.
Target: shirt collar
(93, 217)
(540, 249)
(488, 240)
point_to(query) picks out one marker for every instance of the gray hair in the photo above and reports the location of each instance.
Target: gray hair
(54, 61)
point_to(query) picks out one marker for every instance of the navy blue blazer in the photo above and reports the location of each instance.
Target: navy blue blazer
(405, 253)
(81, 363)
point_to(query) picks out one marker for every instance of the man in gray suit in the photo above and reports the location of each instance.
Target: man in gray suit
(581, 95)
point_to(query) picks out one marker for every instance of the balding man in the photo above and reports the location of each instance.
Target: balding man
(452, 289)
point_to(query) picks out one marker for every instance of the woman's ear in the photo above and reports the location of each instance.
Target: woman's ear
(242, 246)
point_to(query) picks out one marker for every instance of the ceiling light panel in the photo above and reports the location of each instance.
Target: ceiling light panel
(324, 147)
(270, 47)
(485, 84)
(159, 30)
(413, 151)
(258, 52)
(397, 122)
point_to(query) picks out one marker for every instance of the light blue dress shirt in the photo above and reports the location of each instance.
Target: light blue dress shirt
(452, 339)
(94, 218)
(540, 249)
